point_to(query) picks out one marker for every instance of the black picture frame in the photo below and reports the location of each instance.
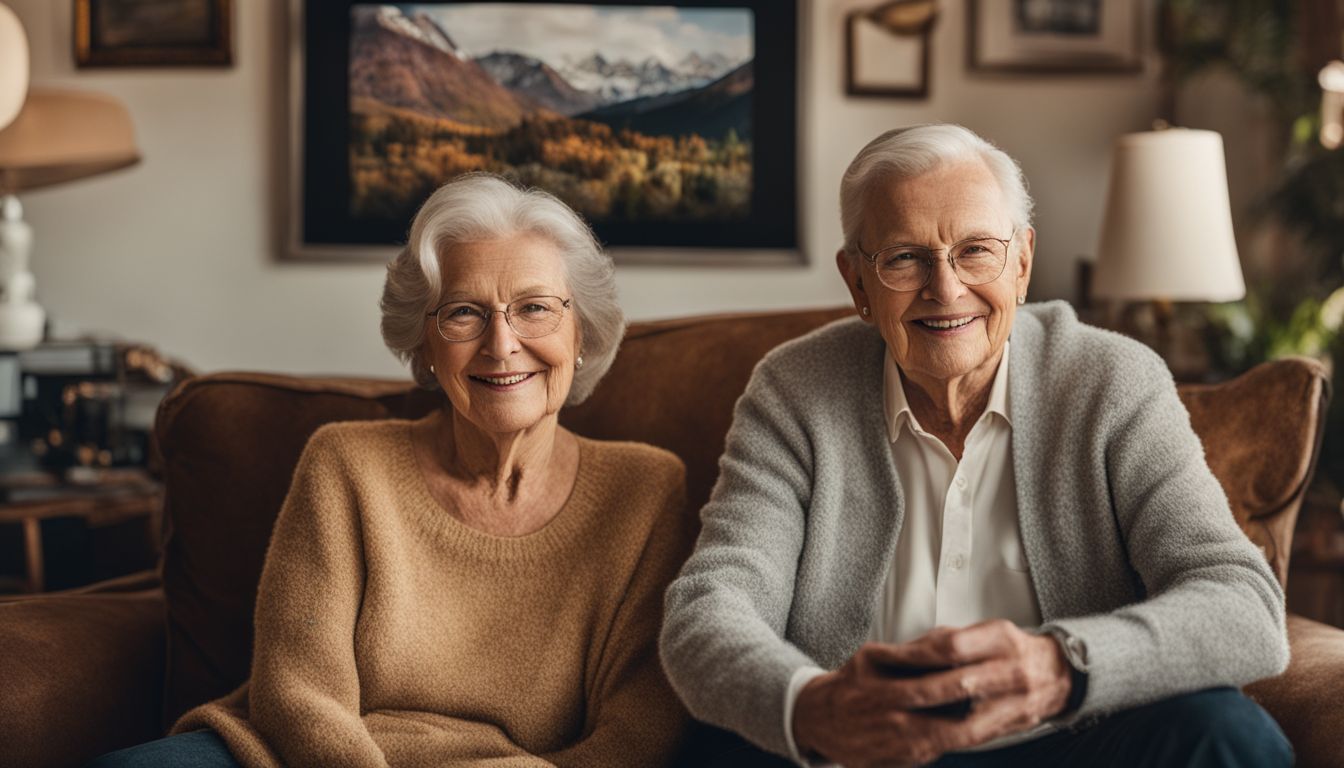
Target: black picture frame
(323, 227)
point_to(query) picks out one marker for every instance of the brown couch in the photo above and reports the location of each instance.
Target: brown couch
(110, 666)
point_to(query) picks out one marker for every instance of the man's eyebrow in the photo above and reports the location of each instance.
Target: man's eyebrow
(455, 296)
(970, 234)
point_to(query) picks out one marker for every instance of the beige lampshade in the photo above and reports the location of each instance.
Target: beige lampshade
(62, 136)
(13, 65)
(1167, 232)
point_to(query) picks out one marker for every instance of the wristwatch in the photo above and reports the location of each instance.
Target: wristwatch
(1075, 652)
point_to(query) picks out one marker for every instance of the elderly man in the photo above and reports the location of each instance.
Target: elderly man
(930, 544)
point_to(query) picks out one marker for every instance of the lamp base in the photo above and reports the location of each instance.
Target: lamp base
(21, 319)
(21, 325)
(1173, 331)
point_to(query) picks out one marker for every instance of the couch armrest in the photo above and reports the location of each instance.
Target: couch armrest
(83, 675)
(1305, 700)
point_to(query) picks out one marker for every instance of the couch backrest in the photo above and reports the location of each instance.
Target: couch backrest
(230, 442)
(1262, 432)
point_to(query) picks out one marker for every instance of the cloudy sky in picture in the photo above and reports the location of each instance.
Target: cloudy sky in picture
(558, 33)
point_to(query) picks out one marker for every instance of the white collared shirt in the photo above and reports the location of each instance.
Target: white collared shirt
(959, 557)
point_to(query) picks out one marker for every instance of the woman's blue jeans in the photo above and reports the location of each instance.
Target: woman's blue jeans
(197, 749)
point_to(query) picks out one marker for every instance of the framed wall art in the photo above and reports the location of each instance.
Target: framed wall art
(153, 33)
(667, 125)
(1054, 36)
(887, 49)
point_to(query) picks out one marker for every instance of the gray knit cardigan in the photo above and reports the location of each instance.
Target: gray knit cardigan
(1130, 541)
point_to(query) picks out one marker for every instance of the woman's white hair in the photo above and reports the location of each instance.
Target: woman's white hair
(904, 153)
(481, 206)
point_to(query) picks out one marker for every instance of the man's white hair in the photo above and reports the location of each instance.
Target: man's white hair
(904, 153)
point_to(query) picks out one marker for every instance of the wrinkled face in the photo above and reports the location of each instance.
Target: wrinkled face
(500, 382)
(945, 329)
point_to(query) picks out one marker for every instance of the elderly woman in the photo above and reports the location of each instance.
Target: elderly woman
(927, 540)
(481, 586)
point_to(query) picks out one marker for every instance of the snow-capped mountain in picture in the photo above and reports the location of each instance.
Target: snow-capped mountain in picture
(430, 72)
(535, 80)
(420, 27)
(707, 68)
(622, 80)
(411, 63)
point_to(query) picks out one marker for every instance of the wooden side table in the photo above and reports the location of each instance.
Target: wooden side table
(113, 497)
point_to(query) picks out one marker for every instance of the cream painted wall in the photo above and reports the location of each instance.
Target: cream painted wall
(180, 251)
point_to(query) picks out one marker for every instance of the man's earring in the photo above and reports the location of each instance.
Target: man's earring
(578, 361)
(1021, 299)
(865, 311)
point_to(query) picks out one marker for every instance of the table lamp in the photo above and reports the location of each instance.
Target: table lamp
(58, 136)
(1331, 79)
(1167, 233)
(13, 65)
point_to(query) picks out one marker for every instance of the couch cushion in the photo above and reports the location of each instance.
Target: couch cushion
(1304, 699)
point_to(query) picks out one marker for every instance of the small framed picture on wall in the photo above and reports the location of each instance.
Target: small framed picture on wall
(153, 33)
(887, 49)
(1054, 36)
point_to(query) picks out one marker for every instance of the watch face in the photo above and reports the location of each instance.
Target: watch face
(1075, 650)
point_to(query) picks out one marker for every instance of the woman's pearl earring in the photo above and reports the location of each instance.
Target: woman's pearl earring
(865, 312)
(1021, 299)
(578, 361)
(431, 369)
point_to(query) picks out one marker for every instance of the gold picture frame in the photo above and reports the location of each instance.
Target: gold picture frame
(153, 33)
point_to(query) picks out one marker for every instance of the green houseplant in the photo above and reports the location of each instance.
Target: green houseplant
(1275, 49)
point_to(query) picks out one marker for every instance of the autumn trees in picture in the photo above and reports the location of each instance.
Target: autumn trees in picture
(627, 113)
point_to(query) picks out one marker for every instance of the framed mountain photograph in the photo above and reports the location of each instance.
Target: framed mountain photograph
(666, 125)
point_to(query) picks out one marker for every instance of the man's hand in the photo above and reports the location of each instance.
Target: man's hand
(859, 717)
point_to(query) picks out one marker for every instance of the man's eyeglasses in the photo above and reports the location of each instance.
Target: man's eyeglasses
(530, 317)
(908, 267)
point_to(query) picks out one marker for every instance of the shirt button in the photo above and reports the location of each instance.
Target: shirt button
(959, 562)
(961, 482)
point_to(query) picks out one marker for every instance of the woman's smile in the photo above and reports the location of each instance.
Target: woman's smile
(503, 382)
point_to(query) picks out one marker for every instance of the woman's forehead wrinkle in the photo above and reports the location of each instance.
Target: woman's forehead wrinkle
(503, 270)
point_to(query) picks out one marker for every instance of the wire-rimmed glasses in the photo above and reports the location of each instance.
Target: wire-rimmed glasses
(530, 317)
(975, 261)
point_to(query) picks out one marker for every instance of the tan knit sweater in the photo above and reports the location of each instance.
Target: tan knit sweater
(389, 633)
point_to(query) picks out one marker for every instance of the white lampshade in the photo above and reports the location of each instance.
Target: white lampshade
(1168, 227)
(13, 65)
